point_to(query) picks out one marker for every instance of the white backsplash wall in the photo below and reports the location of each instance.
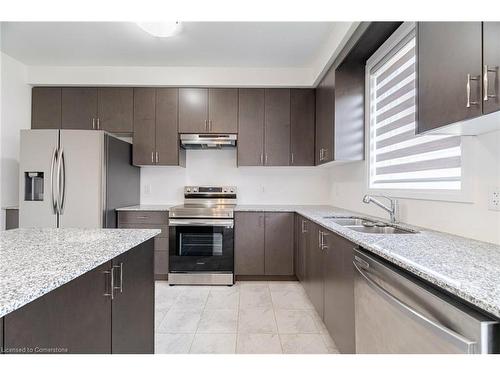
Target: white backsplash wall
(256, 185)
(473, 219)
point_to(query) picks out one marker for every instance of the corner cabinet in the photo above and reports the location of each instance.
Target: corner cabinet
(458, 75)
(91, 314)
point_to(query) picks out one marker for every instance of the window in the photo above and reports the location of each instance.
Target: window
(398, 158)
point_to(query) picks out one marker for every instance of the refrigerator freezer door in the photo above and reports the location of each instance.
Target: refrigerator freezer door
(82, 179)
(37, 152)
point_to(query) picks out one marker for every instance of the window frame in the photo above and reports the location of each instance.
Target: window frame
(465, 194)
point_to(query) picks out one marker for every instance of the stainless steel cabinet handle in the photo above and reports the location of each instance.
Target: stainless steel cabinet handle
(98, 123)
(319, 239)
(487, 70)
(206, 125)
(52, 184)
(61, 181)
(304, 229)
(157, 157)
(453, 337)
(93, 123)
(468, 90)
(120, 287)
(261, 158)
(111, 293)
(265, 159)
(210, 125)
(152, 157)
(292, 158)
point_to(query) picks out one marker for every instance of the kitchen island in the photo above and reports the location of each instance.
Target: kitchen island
(77, 290)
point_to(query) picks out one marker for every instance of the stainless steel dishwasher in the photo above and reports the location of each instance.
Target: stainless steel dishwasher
(398, 313)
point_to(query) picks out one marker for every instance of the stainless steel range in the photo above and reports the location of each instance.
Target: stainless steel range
(202, 237)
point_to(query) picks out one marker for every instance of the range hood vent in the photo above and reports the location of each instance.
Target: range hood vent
(207, 141)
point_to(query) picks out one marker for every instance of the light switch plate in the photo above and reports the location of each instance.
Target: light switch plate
(494, 199)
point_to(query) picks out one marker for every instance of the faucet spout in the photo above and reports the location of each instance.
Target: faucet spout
(392, 210)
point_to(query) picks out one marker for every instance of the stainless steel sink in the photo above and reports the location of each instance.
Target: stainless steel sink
(379, 230)
(352, 221)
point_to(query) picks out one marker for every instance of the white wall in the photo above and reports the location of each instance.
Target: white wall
(474, 220)
(15, 115)
(256, 185)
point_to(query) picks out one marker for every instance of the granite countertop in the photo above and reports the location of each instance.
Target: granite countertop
(464, 267)
(147, 207)
(34, 262)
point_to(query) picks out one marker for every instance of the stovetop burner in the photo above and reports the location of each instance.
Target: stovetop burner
(206, 202)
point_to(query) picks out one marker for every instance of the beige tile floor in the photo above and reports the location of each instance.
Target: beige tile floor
(250, 317)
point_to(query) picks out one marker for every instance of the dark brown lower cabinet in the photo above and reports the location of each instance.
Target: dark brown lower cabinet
(278, 240)
(133, 306)
(74, 318)
(151, 220)
(81, 316)
(249, 243)
(339, 291)
(263, 244)
(314, 270)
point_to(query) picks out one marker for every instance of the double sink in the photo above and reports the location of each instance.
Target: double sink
(362, 225)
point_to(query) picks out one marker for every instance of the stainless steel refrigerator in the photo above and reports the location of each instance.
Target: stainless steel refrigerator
(74, 179)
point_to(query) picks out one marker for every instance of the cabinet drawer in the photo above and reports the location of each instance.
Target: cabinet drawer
(161, 243)
(164, 228)
(143, 217)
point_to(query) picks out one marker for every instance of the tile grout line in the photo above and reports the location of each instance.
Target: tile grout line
(238, 321)
(275, 320)
(197, 325)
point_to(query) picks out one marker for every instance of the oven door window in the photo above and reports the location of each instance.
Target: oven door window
(201, 242)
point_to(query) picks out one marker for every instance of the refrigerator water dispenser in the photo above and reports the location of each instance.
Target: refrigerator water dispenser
(33, 186)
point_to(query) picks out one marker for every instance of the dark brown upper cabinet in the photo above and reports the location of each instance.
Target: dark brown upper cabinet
(46, 108)
(115, 110)
(250, 127)
(302, 115)
(277, 127)
(325, 117)
(491, 66)
(156, 140)
(79, 108)
(449, 73)
(213, 110)
(222, 110)
(193, 110)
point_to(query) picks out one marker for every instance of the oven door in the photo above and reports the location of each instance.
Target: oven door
(201, 245)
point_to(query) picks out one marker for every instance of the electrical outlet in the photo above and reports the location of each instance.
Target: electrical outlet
(494, 199)
(147, 189)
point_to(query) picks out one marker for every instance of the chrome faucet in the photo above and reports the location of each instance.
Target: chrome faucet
(392, 210)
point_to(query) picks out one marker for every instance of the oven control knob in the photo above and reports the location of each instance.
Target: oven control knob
(195, 190)
(188, 190)
(232, 190)
(224, 190)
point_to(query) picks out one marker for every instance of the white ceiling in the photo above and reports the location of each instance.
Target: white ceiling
(207, 44)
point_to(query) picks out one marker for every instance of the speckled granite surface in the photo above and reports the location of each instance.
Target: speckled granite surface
(467, 268)
(147, 207)
(34, 262)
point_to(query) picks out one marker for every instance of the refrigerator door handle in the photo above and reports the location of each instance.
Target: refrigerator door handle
(61, 181)
(52, 191)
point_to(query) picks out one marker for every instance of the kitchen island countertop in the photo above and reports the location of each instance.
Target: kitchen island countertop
(33, 262)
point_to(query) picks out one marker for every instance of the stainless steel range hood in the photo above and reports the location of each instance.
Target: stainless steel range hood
(207, 141)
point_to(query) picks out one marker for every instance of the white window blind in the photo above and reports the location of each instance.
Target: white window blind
(399, 159)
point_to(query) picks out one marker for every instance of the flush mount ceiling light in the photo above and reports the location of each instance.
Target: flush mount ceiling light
(160, 29)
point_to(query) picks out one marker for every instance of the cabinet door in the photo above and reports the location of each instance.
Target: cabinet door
(144, 126)
(491, 62)
(277, 127)
(314, 261)
(325, 118)
(75, 317)
(193, 110)
(302, 229)
(302, 108)
(133, 305)
(167, 138)
(250, 127)
(79, 108)
(223, 110)
(278, 246)
(116, 108)
(46, 108)
(249, 243)
(447, 53)
(339, 292)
